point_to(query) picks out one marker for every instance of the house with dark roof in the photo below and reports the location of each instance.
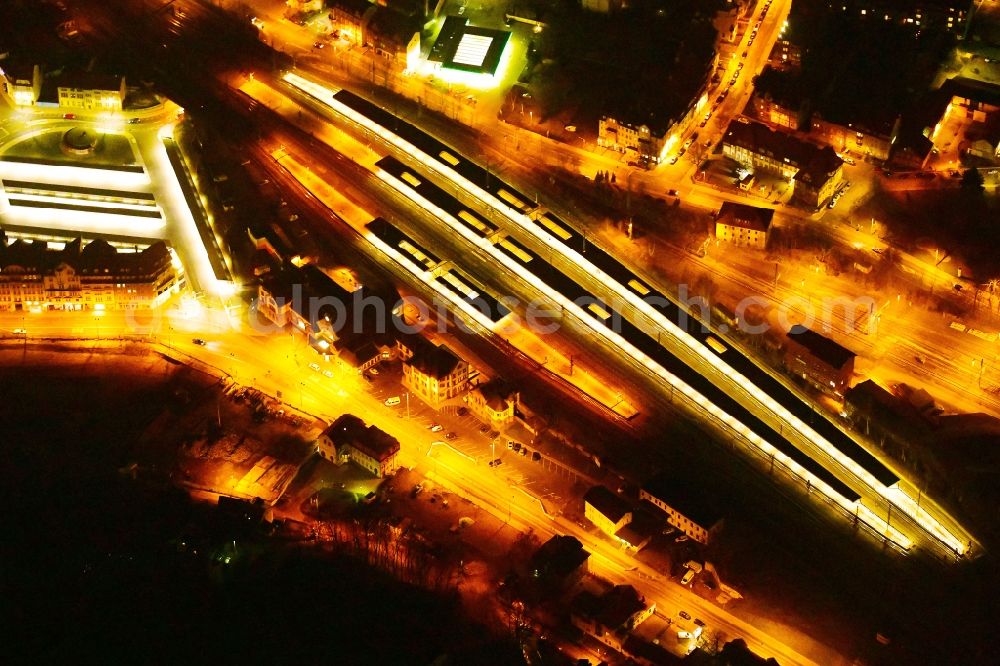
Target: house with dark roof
(606, 510)
(645, 524)
(818, 359)
(610, 617)
(21, 84)
(432, 372)
(95, 276)
(689, 508)
(559, 563)
(494, 402)
(744, 225)
(815, 172)
(349, 439)
(307, 300)
(87, 91)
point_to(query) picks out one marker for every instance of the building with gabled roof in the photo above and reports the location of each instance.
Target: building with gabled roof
(606, 510)
(819, 359)
(95, 276)
(349, 439)
(744, 225)
(432, 372)
(815, 172)
(559, 563)
(688, 508)
(494, 402)
(611, 616)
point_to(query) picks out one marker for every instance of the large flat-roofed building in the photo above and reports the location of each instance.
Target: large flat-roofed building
(815, 172)
(606, 510)
(432, 372)
(77, 277)
(744, 225)
(689, 509)
(819, 359)
(349, 439)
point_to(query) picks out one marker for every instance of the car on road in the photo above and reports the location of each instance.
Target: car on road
(536, 456)
(319, 45)
(373, 372)
(682, 538)
(314, 366)
(684, 615)
(673, 160)
(134, 121)
(496, 462)
(392, 402)
(199, 342)
(328, 374)
(671, 193)
(436, 427)
(69, 116)
(688, 577)
(484, 428)
(451, 435)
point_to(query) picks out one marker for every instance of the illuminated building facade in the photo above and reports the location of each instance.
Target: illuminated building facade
(494, 402)
(819, 359)
(432, 372)
(606, 510)
(688, 509)
(77, 277)
(21, 85)
(743, 225)
(348, 439)
(815, 172)
(86, 91)
(612, 616)
(640, 141)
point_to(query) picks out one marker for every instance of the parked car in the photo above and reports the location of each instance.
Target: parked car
(436, 427)
(496, 462)
(199, 342)
(684, 615)
(314, 367)
(392, 402)
(688, 577)
(328, 374)
(451, 435)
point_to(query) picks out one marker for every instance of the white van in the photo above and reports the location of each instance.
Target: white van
(392, 402)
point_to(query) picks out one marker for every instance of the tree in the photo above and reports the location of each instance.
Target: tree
(972, 181)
